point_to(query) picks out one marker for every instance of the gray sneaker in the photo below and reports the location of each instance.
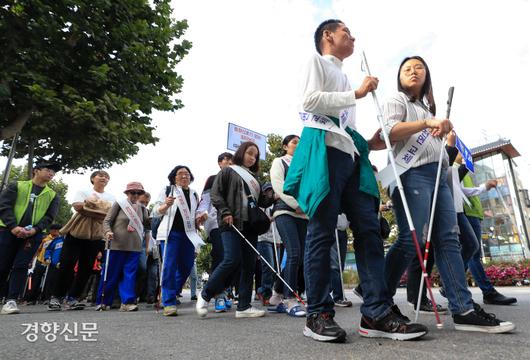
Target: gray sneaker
(54, 305)
(10, 307)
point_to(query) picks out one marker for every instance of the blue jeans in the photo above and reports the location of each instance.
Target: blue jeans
(266, 250)
(418, 184)
(236, 255)
(293, 231)
(16, 256)
(467, 237)
(121, 272)
(179, 259)
(361, 210)
(193, 280)
(474, 264)
(336, 271)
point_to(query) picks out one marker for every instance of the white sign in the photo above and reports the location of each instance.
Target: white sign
(238, 135)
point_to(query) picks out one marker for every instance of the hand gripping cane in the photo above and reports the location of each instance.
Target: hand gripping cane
(269, 265)
(439, 324)
(433, 208)
(161, 270)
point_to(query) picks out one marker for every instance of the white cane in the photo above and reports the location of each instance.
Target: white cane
(275, 248)
(399, 184)
(433, 208)
(340, 263)
(43, 282)
(107, 258)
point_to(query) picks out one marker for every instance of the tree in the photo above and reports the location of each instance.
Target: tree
(79, 79)
(19, 173)
(274, 150)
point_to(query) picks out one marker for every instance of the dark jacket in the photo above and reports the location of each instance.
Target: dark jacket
(227, 197)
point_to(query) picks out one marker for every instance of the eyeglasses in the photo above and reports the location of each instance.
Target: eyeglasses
(184, 175)
(136, 192)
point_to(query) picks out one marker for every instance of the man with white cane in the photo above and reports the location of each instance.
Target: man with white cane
(330, 173)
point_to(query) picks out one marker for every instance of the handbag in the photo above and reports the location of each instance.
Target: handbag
(259, 222)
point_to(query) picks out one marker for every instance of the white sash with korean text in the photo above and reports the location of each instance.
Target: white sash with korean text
(247, 177)
(409, 154)
(134, 218)
(187, 218)
(323, 122)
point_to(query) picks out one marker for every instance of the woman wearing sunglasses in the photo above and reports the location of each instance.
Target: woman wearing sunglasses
(124, 230)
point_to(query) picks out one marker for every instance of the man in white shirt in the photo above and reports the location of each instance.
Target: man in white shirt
(330, 173)
(82, 250)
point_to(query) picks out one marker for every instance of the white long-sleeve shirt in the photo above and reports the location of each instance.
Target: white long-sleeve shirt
(327, 91)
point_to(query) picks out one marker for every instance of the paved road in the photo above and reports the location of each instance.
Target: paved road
(147, 335)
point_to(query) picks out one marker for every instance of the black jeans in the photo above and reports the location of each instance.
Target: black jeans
(237, 255)
(83, 252)
(16, 256)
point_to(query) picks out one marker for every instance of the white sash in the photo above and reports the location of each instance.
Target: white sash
(249, 180)
(187, 218)
(323, 122)
(135, 220)
(409, 154)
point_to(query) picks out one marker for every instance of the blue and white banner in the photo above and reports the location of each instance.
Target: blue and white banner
(466, 154)
(238, 135)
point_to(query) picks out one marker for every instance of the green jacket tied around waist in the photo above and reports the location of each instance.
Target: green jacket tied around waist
(308, 179)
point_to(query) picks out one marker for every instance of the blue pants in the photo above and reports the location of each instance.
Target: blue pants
(292, 231)
(419, 184)
(237, 255)
(336, 271)
(474, 263)
(179, 258)
(16, 256)
(122, 268)
(193, 280)
(361, 210)
(266, 250)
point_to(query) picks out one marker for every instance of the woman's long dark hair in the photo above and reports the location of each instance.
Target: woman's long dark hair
(426, 91)
(286, 141)
(240, 155)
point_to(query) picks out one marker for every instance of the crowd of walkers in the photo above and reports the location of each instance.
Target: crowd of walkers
(291, 231)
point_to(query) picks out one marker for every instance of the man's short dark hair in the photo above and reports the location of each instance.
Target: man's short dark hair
(225, 155)
(330, 25)
(100, 173)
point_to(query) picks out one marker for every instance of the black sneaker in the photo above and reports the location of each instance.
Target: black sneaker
(398, 313)
(343, 303)
(392, 327)
(322, 327)
(358, 291)
(193, 298)
(54, 305)
(481, 321)
(496, 298)
(73, 304)
(427, 308)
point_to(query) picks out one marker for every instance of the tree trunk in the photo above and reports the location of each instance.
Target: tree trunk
(31, 150)
(16, 126)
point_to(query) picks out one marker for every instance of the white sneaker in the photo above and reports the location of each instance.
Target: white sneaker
(251, 312)
(10, 307)
(129, 307)
(201, 306)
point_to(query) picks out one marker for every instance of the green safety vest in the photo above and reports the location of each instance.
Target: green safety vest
(475, 210)
(40, 204)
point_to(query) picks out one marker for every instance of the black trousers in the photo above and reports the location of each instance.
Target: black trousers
(80, 251)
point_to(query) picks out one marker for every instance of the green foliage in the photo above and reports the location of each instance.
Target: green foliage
(204, 260)
(274, 150)
(91, 73)
(20, 173)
